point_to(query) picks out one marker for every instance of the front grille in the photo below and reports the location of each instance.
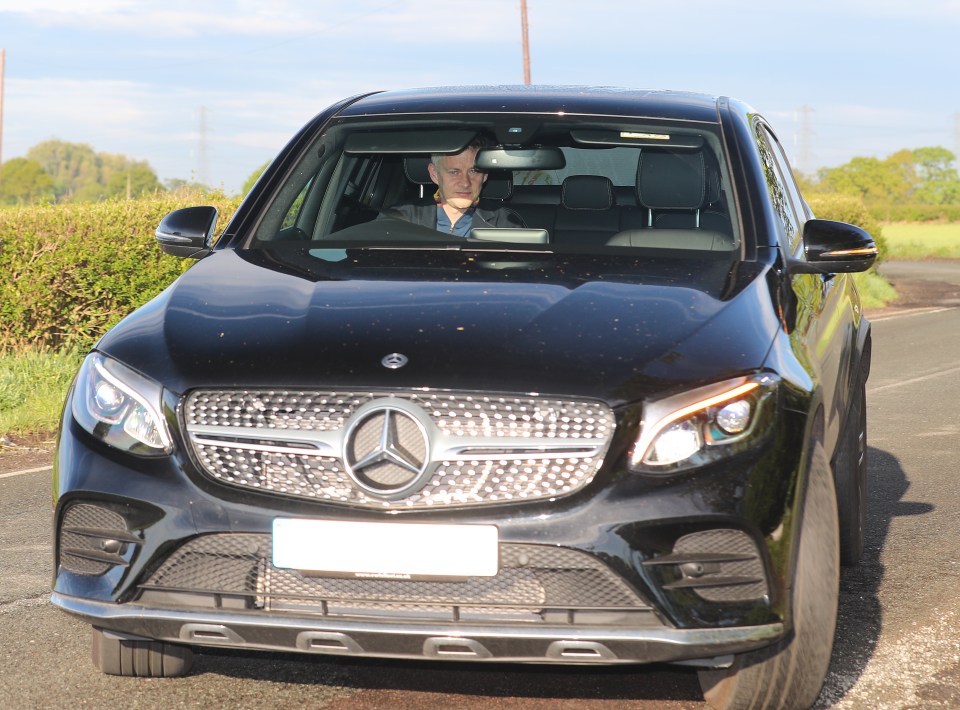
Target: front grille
(535, 583)
(462, 449)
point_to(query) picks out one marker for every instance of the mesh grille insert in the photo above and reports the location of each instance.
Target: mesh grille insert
(93, 539)
(532, 578)
(718, 565)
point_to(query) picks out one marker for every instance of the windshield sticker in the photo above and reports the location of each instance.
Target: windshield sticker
(647, 136)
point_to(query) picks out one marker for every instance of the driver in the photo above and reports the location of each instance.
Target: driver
(456, 207)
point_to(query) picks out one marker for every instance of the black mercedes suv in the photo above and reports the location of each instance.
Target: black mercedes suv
(619, 417)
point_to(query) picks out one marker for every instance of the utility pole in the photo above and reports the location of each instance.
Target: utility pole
(526, 43)
(3, 54)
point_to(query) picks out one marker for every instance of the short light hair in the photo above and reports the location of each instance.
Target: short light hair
(478, 142)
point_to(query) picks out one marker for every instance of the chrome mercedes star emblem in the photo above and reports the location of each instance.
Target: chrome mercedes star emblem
(387, 450)
(394, 361)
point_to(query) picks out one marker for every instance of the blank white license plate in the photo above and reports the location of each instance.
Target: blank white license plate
(392, 550)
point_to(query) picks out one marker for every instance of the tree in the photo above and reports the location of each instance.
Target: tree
(925, 176)
(71, 165)
(24, 181)
(135, 180)
(82, 175)
(939, 183)
(871, 179)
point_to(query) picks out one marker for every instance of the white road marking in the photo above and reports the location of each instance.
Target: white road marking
(909, 312)
(25, 471)
(913, 380)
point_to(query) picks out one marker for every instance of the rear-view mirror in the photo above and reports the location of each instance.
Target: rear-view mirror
(539, 158)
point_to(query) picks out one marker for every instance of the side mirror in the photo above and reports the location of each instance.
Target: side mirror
(834, 248)
(188, 232)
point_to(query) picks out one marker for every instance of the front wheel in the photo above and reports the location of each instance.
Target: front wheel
(115, 654)
(850, 473)
(789, 675)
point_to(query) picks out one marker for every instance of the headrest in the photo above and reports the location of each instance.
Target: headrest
(499, 185)
(713, 185)
(587, 192)
(415, 168)
(671, 179)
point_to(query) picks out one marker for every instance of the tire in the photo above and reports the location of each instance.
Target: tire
(114, 654)
(850, 474)
(790, 674)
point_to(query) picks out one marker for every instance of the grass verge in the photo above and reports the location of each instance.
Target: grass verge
(33, 385)
(913, 241)
(875, 291)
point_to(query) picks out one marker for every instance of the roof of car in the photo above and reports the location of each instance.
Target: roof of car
(605, 101)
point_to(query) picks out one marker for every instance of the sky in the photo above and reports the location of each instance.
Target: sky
(210, 90)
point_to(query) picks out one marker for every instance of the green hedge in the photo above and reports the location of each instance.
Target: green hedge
(916, 213)
(70, 272)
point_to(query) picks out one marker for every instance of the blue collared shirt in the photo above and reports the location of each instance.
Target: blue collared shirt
(461, 228)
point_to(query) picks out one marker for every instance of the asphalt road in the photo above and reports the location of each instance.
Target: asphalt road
(896, 645)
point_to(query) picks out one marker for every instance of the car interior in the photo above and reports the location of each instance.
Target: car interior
(582, 188)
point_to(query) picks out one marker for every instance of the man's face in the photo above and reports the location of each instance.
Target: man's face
(458, 181)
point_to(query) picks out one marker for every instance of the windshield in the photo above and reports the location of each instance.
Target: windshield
(572, 184)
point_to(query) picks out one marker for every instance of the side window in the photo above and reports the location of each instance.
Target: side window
(295, 203)
(787, 172)
(291, 218)
(780, 190)
(799, 204)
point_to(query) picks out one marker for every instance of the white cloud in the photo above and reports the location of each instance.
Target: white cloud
(78, 7)
(179, 23)
(898, 9)
(289, 21)
(75, 105)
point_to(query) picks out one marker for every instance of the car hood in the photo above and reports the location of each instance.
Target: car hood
(616, 329)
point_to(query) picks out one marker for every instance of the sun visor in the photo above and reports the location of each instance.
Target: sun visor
(450, 141)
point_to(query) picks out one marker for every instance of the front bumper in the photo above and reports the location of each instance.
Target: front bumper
(685, 565)
(514, 644)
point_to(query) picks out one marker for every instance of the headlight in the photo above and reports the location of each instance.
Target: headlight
(705, 424)
(121, 407)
